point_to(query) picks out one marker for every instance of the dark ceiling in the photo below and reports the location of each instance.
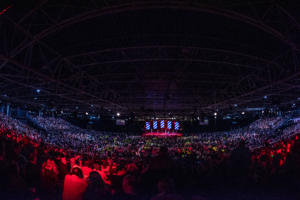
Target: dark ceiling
(148, 57)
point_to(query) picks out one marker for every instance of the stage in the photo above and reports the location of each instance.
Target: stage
(162, 128)
(162, 134)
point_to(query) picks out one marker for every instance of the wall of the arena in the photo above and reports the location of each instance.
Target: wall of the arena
(132, 126)
(137, 127)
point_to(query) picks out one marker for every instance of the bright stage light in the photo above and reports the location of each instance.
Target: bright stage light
(147, 126)
(162, 124)
(38, 90)
(118, 114)
(176, 125)
(154, 124)
(169, 125)
(215, 114)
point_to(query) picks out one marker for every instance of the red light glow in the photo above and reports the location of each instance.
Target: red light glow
(156, 134)
(4, 10)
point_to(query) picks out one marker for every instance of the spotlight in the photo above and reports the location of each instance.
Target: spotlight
(38, 91)
(215, 114)
(86, 113)
(118, 114)
(169, 124)
(154, 124)
(243, 113)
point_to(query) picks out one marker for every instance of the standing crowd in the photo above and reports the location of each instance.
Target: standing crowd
(71, 163)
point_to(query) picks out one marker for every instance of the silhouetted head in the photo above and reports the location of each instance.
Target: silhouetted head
(163, 150)
(165, 185)
(130, 184)
(77, 171)
(95, 179)
(242, 143)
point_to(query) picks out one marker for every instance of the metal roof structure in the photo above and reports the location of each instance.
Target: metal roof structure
(147, 57)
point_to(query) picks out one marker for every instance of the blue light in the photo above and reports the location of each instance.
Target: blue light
(169, 125)
(38, 90)
(154, 124)
(147, 125)
(176, 125)
(162, 124)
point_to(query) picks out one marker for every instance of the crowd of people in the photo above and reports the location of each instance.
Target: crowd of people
(71, 163)
(267, 123)
(66, 135)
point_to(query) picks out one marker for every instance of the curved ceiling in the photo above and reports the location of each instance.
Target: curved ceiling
(150, 57)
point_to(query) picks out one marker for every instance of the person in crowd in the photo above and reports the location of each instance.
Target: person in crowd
(166, 190)
(49, 176)
(130, 187)
(240, 162)
(96, 189)
(74, 185)
(86, 169)
(162, 161)
(103, 163)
